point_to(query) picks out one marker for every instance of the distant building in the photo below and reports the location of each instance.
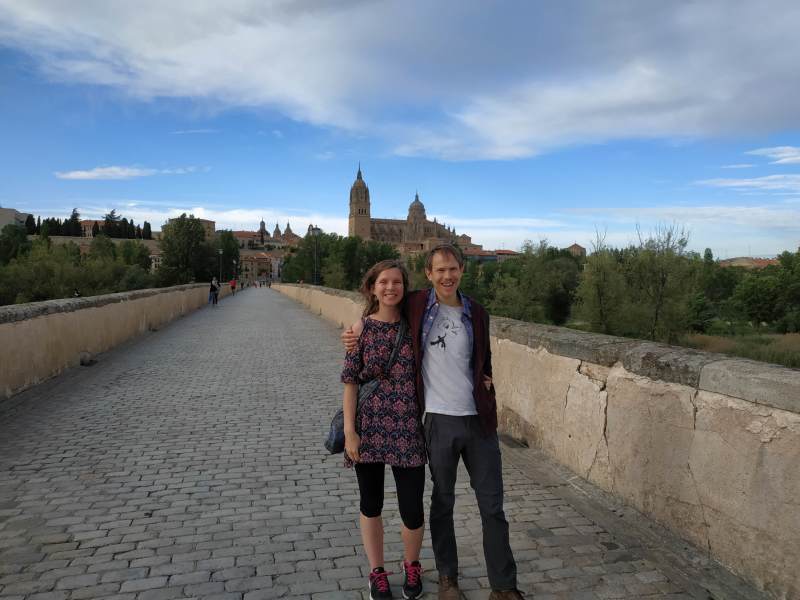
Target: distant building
(155, 260)
(260, 265)
(577, 250)
(261, 238)
(87, 226)
(478, 254)
(410, 236)
(748, 262)
(10, 216)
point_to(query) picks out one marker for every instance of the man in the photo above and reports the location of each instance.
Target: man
(454, 389)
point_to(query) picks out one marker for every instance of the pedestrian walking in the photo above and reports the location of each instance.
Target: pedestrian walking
(233, 287)
(386, 428)
(213, 292)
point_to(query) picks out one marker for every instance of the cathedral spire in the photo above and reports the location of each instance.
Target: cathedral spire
(358, 175)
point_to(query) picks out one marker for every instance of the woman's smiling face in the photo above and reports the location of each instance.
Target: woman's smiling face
(388, 288)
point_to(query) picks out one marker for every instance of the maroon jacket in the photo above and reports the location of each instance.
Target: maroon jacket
(481, 360)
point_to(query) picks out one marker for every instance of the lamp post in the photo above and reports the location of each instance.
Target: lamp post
(234, 270)
(315, 231)
(220, 265)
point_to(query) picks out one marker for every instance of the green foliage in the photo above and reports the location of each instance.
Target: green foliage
(49, 271)
(758, 298)
(102, 248)
(340, 261)
(539, 285)
(644, 290)
(230, 253)
(132, 253)
(30, 225)
(13, 243)
(72, 226)
(186, 255)
(701, 313)
(601, 292)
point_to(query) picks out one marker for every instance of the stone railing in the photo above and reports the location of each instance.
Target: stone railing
(41, 339)
(705, 444)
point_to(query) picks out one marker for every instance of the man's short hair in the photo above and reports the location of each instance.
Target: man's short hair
(444, 249)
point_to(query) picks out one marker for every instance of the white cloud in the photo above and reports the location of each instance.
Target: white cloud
(106, 173)
(769, 183)
(738, 166)
(193, 131)
(487, 84)
(781, 155)
(99, 173)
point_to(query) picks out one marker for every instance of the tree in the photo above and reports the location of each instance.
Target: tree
(147, 234)
(102, 248)
(13, 243)
(95, 229)
(602, 289)
(72, 226)
(30, 225)
(660, 283)
(226, 242)
(758, 297)
(186, 256)
(111, 224)
(133, 252)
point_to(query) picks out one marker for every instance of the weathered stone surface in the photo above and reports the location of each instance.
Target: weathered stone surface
(753, 500)
(770, 385)
(650, 431)
(31, 310)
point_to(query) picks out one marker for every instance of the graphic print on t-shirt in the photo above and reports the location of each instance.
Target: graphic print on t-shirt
(443, 327)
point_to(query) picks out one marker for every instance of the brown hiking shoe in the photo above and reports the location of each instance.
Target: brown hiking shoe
(506, 595)
(448, 588)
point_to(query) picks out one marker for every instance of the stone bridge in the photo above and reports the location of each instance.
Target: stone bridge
(187, 463)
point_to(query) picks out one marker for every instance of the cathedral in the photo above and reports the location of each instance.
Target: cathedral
(411, 235)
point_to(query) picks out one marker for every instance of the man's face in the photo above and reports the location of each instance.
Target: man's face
(445, 275)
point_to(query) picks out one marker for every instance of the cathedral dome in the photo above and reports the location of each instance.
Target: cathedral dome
(416, 209)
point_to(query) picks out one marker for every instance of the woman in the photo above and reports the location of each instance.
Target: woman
(388, 429)
(213, 292)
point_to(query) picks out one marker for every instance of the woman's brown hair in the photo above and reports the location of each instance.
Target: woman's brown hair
(371, 277)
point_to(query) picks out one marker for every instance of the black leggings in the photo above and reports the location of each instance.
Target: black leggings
(410, 483)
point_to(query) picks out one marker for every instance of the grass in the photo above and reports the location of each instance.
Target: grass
(781, 349)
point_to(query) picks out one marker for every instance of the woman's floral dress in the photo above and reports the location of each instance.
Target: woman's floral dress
(389, 422)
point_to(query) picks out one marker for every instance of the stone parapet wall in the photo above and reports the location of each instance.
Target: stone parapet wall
(39, 340)
(705, 444)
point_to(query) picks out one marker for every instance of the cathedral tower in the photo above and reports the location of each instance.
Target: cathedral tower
(359, 222)
(415, 222)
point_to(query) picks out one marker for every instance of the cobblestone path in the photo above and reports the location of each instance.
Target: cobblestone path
(189, 464)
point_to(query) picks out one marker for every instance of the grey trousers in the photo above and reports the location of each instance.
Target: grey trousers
(450, 439)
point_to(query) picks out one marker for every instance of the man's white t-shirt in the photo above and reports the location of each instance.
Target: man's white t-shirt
(446, 370)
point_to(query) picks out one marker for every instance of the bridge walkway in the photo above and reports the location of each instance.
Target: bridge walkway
(188, 463)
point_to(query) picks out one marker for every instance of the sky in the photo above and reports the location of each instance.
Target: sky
(514, 121)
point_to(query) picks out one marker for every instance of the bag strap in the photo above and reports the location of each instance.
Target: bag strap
(368, 387)
(401, 331)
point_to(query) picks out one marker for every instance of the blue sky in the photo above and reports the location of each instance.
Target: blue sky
(513, 120)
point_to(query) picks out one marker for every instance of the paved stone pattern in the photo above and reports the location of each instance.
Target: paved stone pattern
(189, 463)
